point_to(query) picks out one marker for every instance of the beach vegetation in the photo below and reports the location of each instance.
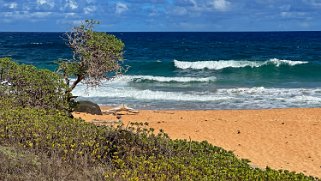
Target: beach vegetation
(121, 152)
(27, 86)
(20, 164)
(96, 56)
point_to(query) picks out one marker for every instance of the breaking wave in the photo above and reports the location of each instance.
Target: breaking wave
(221, 64)
(255, 97)
(36, 43)
(144, 78)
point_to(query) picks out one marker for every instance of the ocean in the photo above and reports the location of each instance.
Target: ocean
(219, 70)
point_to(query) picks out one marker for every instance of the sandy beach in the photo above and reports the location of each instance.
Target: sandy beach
(279, 138)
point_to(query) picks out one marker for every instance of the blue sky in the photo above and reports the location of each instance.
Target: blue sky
(162, 15)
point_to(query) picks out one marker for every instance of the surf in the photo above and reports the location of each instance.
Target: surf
(162, 79)
(222, 64)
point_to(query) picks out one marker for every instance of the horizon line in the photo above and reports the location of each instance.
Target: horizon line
(267, 31)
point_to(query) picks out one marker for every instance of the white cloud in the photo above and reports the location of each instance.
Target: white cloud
(305, 24)
(90, 1)
(13, 5)
(25, 14)
(316, 3)
(72, 4)
(69, 22)
(40, 14)
(70, 15)
(26, 7)
(76, 22)
(194, 3)
(287, 14)
(196, 8)
(41, 2)
(49, 3)
(285, 7)
(89, 9)
(121, 7)
(180, 11)
(221, 5)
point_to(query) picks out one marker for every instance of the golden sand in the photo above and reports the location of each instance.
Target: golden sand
(279, 138)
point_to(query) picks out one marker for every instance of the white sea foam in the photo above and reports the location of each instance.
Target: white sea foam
(255, 97)
(36, 43)
(125, 79)
(139, 78)
(278, 62)
(221, 64)
(119, 87)
(146, 95)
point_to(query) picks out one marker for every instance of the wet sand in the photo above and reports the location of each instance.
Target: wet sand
(279, 138)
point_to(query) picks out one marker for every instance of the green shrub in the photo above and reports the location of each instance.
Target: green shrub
(18, 164)
(131, 152)
(27, 86)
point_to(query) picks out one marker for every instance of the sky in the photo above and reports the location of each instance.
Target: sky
(161, 15)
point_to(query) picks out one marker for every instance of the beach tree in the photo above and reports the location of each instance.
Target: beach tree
(96, 56)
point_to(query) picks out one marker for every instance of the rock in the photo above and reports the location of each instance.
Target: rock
(87, 107)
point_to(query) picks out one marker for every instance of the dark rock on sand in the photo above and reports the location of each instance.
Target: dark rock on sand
(87, 107)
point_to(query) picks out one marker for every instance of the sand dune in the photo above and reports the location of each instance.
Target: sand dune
(279, 138)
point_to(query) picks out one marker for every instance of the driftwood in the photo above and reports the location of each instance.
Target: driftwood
(120, 109)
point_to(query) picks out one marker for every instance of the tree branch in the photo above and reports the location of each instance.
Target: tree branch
(74, 84)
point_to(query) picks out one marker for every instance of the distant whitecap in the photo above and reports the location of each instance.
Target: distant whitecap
(221, 64)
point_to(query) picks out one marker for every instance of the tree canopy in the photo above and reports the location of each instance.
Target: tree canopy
(96, 56)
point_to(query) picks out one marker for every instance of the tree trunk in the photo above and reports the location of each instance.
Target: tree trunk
(74, 84)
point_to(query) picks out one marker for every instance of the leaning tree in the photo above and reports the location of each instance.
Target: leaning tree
(96, 56)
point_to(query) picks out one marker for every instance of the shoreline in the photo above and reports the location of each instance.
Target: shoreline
(281, 138)
(106, 107)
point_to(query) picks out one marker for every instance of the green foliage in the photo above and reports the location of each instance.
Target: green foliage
(18, 164)
(27, 86)
(71, 69)
(96, 55)
(132, 152)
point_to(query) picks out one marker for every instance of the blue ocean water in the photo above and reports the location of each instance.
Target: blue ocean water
(232, 70)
